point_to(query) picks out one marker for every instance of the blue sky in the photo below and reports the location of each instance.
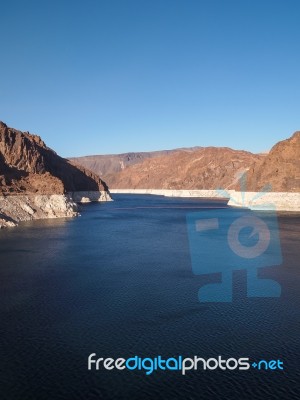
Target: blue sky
(96, 77)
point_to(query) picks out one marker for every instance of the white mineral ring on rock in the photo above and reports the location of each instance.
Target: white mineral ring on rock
(258, 227)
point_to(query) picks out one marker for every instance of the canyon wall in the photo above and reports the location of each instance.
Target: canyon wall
(280, 168)
(36, 183)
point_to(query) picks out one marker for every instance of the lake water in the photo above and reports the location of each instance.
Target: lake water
(118, 282)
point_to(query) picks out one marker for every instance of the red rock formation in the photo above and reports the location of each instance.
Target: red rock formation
(106, 164)
(27, 165)
(200, 168)
(280, 168)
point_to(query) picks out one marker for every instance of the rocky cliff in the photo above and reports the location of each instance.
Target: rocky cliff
(37, 183)
(27, 165)
(280, 168)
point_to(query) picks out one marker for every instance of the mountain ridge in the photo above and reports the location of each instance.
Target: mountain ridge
(280, 168)
(220, 167)
(27, 165)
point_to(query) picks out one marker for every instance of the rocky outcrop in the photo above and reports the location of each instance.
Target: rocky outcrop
(36, 183)
(280, 168)
(17, 208)
(27, 165)
(88, 196)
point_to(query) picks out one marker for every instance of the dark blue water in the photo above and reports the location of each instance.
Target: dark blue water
(118, 281)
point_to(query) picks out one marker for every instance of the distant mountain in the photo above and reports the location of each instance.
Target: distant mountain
(206, 168)
(28, 166)
(280, 168)
(191, 168)
(105, 165)
(202, 168)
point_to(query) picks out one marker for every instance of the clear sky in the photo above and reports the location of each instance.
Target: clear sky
(111, 76)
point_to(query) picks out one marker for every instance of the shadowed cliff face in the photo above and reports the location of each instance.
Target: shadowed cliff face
(27, 165)
(280, 168)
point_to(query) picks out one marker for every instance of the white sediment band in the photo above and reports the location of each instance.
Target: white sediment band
(88, 196)
(281, 201)
(172, 192)
(16, 208)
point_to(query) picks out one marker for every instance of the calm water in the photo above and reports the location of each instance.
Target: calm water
(118, 281)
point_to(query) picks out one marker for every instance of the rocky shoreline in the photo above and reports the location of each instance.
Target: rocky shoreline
(281, 201)
(17, 208)
(90, 196)
(36, 183)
